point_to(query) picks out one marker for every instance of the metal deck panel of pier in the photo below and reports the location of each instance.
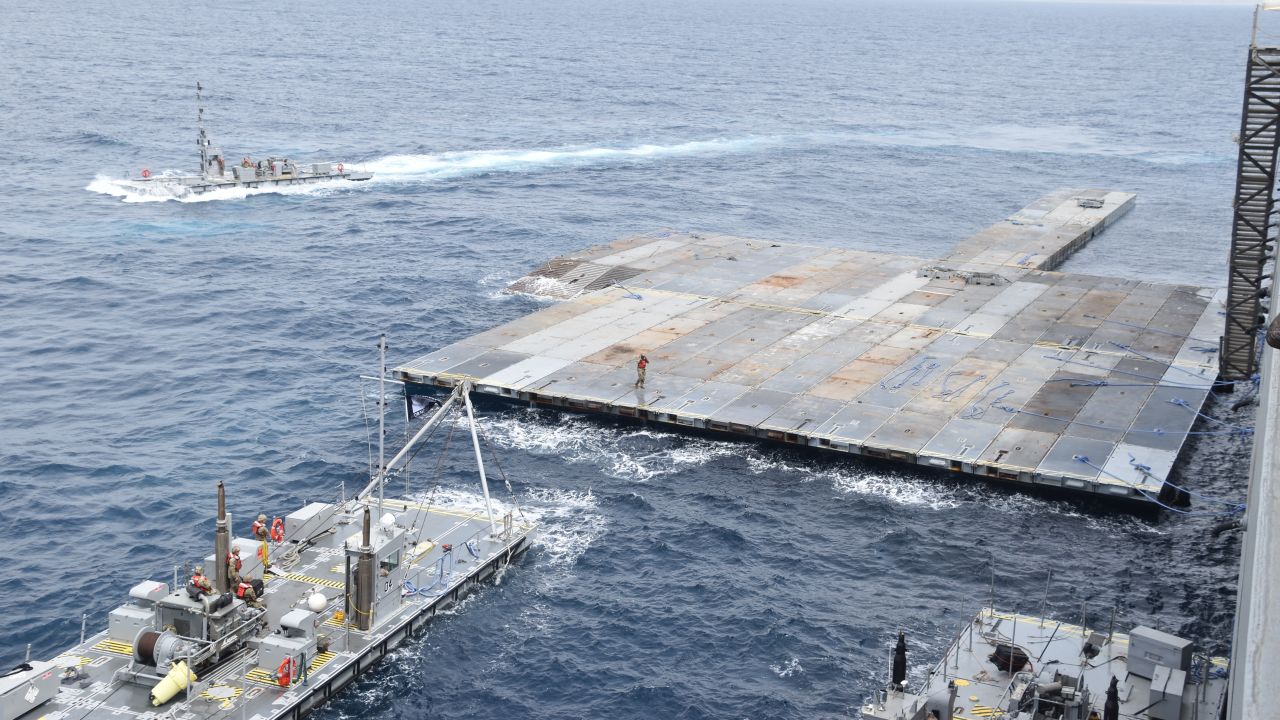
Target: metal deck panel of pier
(984, 361)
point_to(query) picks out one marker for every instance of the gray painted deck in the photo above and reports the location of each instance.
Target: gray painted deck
(985, 361)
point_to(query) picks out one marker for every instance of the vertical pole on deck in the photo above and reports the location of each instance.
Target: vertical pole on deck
(221, 544)
(1013, 642)
(1047, 579)
(979, 620)
(84, 621)
(382, 417)
(993, 585)
(1111, 628)
(244, 685)
(475, 442)
(956, 649)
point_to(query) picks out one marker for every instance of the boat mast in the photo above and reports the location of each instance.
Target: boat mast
(202, 140)
(475, 442)
(382, 417)
(377, 479)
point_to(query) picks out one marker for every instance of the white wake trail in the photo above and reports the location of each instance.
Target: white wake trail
(436, 167)
(478, 162)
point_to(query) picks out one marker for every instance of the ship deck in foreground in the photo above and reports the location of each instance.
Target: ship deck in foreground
(349, 581)
(1007, 666)
(985, 362)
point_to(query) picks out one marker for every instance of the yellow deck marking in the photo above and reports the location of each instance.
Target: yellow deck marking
(81, 660)
(225, 702)
(116, 647)
(336, 584)
(267, 677)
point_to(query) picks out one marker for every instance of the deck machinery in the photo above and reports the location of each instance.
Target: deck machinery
(1005, 666)
(344, 584)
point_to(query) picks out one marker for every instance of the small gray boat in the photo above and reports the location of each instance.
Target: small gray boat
(268, 174)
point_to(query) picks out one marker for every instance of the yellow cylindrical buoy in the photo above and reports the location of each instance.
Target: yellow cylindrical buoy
(177, 679)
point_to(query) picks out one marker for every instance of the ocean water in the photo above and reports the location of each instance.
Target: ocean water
(150, 347)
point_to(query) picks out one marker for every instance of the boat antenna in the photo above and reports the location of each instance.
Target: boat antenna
(382, 417)
(1048, 578)
(202, 140)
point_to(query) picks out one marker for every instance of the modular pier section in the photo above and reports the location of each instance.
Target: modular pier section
(983, 362)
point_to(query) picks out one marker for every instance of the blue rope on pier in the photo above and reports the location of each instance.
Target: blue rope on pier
(1145, 328)
(1153, 431)
(916, 374)
(630, 293)
(1233, 507)
(1187, 386)
(1244, 430)
(946, 391)
(979, 406)
(1129, 349)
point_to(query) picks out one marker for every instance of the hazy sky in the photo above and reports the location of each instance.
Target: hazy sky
(1160, 2)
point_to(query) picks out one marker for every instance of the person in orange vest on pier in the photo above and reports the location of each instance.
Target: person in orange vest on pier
(641, 364)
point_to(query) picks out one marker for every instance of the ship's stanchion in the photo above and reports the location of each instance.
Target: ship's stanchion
(221, 544)
(244, 685)
(364, 578)
(84, 623)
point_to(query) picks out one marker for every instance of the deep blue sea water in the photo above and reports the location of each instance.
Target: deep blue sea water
(150, 349)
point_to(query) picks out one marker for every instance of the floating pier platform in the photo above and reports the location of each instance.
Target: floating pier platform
(985, 361)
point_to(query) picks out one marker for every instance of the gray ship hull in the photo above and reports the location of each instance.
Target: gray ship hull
(194, 184)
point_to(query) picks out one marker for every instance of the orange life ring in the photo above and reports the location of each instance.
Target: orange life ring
(277, 530)
(146, 172)
(284, 673)
(339, 168)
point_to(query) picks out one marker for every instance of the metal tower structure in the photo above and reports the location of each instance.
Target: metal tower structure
(1253, 223)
